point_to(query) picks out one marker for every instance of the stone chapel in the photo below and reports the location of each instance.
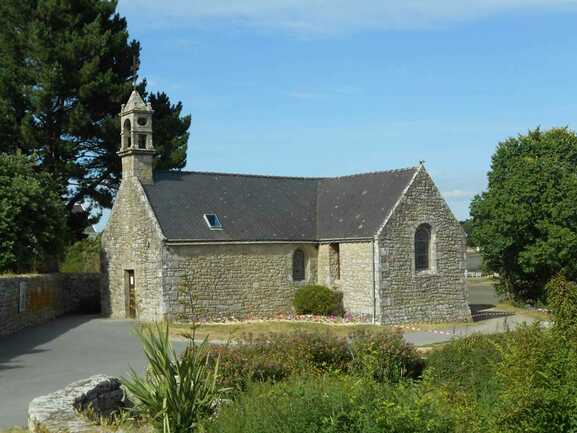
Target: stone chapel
(241, 244)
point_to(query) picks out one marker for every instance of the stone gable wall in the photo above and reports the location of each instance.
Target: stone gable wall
(29, 300)
(430, 296)
(234, 280)
(132, 240)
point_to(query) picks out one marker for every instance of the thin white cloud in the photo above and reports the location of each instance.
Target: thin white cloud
(332, 16)
(457, 194)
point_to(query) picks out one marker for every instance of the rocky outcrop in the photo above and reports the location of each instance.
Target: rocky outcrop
(67, 409)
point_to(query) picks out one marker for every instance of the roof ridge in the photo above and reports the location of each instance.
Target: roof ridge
(267, 176)
(393, 170)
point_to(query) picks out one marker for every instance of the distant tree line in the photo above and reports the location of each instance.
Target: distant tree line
(66, 66)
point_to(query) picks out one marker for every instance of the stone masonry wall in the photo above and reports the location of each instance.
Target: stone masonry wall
(324, 275)
(356, 281)
(132, 240)
(28, 300)
(434, 295)
(235, 280)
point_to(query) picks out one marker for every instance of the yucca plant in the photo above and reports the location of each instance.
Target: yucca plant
(175, 392)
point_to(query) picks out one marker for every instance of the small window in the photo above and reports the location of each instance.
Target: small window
(423, 247)
(212, 221)
(298, 265)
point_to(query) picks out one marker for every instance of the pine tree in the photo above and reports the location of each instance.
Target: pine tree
(66, 67)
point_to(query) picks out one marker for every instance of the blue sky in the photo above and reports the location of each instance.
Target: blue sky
(325, 88)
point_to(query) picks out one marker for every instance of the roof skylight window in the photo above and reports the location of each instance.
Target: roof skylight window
(212, 221)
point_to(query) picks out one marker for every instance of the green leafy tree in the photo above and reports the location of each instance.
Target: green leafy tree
(467, 227)
(66, 66)
(32, 216)
(526, 222)
(82, 256)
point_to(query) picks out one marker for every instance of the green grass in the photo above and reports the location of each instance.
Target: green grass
(539, 315)
(482, 280)
(14, 429)
(225, 331)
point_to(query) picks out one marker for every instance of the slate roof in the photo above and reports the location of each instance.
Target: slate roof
(269, 208)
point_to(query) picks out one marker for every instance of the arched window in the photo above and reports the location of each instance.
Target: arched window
(126, 132)
(298, 265)
(141, 141)
(423, 247)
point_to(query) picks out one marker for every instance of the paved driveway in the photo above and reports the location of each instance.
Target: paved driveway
(44, 359)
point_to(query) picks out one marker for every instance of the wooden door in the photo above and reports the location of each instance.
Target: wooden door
(130, 295)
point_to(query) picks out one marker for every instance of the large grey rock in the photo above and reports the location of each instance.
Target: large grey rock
(59, 411)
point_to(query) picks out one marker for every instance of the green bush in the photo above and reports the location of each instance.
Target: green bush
(385, 357)
(538, 375)
(562, 300)
(277, 356)
(175, 393)
(82, 256)
(333, 405)
(319, 300)
(465, 367)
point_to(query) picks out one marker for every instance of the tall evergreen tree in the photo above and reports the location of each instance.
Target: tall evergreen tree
(66, 66)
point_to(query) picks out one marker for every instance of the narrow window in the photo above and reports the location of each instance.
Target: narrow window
(422, 247)
(335, 261)
(298, 265)
(130, 294)
(127, 131)
(212, 221)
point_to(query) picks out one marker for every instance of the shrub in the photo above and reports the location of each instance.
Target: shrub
(538, 376)
(562, 300)
(385, 357)
(333, 405)
(465, 367)
(174, 393)
(82, 256)
(318, 300)
(303, 404)
(277, 356)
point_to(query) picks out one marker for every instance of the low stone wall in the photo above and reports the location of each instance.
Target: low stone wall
(62, 411)
(28, 300)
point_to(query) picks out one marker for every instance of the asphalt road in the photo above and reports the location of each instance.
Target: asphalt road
(43, 359)
(46, 358)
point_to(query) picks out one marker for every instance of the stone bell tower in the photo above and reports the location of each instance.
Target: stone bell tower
(136, 148)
